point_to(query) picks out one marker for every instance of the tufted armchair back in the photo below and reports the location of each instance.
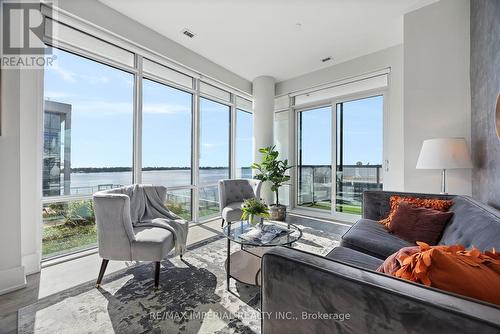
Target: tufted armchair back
(238, 190)
(114, 224)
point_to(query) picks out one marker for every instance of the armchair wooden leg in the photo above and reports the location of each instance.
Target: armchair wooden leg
(157, 274)
(104, 264)
(222, 225)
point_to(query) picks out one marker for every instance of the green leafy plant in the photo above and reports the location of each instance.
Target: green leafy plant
(80, 213)
(178, 208)
(272, 169)
(252, 207)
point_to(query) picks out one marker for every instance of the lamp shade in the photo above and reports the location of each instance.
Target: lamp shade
(444, 153)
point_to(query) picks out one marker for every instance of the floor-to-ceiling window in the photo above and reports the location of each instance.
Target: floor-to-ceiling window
(88, 134)
(244, 144)
(167, 142)
(214, 153)
(113, 117)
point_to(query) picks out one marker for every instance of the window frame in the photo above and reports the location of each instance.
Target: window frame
(294, 133)
(296, 179)
(138, 76)
(231, 152)
(136, 71)
(239, 109)
(182, 89)
(116, 65)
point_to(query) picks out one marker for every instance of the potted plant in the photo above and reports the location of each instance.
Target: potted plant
(254, 211)
(273, 170)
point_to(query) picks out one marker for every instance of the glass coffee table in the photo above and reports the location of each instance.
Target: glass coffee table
(244, 264)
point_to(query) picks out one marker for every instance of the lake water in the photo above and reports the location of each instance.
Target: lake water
(88, 183)
(315, 183)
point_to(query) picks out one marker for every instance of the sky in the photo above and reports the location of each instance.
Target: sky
(363, 128)
(101, 98)
(102, 122)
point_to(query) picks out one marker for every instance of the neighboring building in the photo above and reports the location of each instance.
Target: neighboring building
(57, 148)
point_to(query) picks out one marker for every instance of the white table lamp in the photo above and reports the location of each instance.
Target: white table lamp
(444, 153)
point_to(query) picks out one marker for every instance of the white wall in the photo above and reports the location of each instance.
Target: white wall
(436, 88)
(107, 18)
(11, 270)
(31, 143)
(391, 57)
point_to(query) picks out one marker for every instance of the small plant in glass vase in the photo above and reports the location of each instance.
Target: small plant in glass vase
(254, 211)
(273, 170)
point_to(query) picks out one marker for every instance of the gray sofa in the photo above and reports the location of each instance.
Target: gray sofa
(342, 292)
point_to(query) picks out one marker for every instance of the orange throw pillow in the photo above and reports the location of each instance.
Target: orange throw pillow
(430, 203)
(393, 262)
(454, 269)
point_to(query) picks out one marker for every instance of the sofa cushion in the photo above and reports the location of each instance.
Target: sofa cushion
(355, 258)
(474, 224)
(414, 223)
(371, 237)
(442, 205)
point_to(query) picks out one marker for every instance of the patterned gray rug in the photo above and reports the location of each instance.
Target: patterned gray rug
(192, 297)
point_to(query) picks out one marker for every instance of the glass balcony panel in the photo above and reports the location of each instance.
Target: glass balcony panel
(208, 202)
(68, 227)
(179, 202)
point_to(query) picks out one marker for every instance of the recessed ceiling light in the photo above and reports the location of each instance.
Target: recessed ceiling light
(324, 60)
(188, 33)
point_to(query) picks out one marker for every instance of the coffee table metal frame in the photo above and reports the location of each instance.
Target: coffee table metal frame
(244, 243)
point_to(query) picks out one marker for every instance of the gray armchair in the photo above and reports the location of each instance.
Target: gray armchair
(232, 193)
(119, 239)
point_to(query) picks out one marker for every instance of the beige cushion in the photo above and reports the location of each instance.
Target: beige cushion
(151, 243)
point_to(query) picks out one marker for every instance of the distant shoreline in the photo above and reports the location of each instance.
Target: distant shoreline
(129, 169)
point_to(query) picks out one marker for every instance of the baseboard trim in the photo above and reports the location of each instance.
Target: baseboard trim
(12, 279)
(32, 263)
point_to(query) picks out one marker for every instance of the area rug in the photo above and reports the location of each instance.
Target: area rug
(192, 297)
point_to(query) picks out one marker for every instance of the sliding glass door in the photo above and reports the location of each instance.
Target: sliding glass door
(354, 129)
(359, 143)
(314, 158)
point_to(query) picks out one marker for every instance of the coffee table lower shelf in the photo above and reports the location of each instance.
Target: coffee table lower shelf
(245, 265)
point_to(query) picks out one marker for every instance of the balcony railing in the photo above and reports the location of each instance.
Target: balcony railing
(315, 186)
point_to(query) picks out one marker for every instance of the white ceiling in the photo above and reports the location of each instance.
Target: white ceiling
(261, 37)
